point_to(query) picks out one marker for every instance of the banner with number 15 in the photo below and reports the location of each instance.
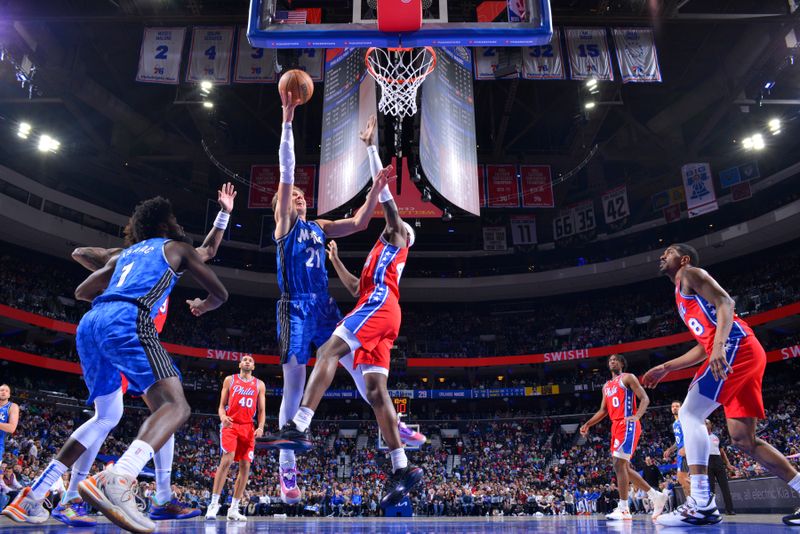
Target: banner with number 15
(210, 55)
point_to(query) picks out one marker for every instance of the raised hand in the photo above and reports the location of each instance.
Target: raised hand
(384, 177)
(367, 134)
(288, 103)
(655, 375)
(226, 196)
(333, 250)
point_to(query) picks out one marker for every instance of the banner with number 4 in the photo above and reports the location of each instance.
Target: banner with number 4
(210, 55)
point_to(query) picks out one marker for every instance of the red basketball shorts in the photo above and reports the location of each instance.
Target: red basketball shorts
(239, 438)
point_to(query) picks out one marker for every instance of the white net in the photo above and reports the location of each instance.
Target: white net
(400, 72)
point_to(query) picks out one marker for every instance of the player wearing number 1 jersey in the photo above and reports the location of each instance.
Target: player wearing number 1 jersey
(733, 363)
(619, 404)
(242, 395)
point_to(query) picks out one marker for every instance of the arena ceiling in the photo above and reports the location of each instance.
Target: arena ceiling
(726, 67)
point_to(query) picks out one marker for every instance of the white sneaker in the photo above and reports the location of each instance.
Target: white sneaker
(115, 496)
(235, 515)
(213, 510)
(25, 509)
(659, 502)
(691, 513)
(619, 515)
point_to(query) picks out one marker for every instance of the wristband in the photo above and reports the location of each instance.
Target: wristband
(222, 219)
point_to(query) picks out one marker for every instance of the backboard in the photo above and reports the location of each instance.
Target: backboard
(444, 24)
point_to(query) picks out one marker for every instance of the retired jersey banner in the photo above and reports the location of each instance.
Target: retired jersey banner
(305, 177)
(615, 204)
(583, 217)
(699, 187)
(523, 229)
(636, 53)
(487, 59)
(482, 185)
(253, 65)
(210, 55)
(160, 55)
(544, 62)
(587, 49)
(537, 186)
(263, 185)
(503, 186)
(312, 60)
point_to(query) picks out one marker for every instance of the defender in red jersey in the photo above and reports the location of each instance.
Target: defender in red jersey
(242, 396)
(369, 332)
(619, 404)
(733, 363)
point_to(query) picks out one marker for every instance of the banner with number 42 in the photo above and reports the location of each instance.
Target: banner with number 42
(615, 204)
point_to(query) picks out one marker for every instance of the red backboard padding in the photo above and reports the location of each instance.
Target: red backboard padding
(398, 16)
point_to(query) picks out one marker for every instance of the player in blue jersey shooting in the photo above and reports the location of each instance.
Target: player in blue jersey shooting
(118, 336)
(306, 313)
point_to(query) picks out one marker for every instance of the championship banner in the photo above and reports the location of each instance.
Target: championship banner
(699, 187)
(160, 55)
(502, 186)
(583, 217)
(488, 58)
(637, 56)
(615, 204)
(536, 183)
(587, 49)
(482, 185)
(741, 191)
(544, 62)
(494, 238)
(523, 230)
(263, 185)
(253, 65)
(210, 55)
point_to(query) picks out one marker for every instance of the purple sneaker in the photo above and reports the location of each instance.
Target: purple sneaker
(409, 436)
(290, 492)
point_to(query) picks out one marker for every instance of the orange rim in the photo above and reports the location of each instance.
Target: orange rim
(400, 81)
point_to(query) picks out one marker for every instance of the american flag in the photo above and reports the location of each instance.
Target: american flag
(296, 16)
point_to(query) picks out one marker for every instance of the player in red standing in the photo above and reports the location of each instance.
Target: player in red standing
(369, 331)
(733, 367)
(619, 404)
(242, 394)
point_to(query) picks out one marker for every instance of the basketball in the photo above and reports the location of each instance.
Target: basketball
(298, 83)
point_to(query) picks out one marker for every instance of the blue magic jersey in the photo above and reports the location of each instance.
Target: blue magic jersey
(301, 260)
(4, 411)
(678, 431)
(142, 276)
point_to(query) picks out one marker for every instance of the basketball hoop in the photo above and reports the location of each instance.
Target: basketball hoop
(400, 72)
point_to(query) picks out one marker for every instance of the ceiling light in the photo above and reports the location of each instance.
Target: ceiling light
(747, 143)
(206, 86)
(774, 124)
(24, 130)
(758, 142)
(208, 105)
(48, 144)
(591, 82)
(590, 105)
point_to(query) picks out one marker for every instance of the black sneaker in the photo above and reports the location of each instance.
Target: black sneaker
(289, 437)
(793, 520)
(400, 483)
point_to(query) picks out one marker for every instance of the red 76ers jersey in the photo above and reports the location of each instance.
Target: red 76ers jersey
(242, 400)
(700, 316)
(619, 398)
(381, 274)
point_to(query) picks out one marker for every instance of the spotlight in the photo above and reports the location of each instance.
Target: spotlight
(774, 125)
(447, 216)
(208, 104)
(590, 105)
(48, 144)
(747, 143)
(591, 83)
(426, 195)
(24, 130)
(206, 87)
(758, 142)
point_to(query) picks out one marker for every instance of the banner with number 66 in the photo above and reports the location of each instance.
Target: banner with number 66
(615, 204)
(210, 55)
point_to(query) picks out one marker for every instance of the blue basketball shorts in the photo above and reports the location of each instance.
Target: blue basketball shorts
(304, 320)
(119, 337)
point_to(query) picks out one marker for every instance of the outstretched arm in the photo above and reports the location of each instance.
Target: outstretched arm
(97, 282)
(189, 260)
(225, 196)
(350, 282)
(94, 258)
(285, 212)
(694, 356)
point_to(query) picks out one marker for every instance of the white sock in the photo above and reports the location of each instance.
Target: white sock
(214, 499)
(287, 459)
(623, 505)
(700, 490)
(49, 476)
(795, 483)
(134, 459)
(653, 493)
(70, 495)
(163, 461)
(235, 504)
(399, 460)
(302, 419)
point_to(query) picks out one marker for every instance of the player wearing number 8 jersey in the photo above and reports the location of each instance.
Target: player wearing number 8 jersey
(733, 364)
(242, 395)
(619, 404)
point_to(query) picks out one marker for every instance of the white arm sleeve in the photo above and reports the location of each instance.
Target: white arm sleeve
(375, 167)
(286, 154)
